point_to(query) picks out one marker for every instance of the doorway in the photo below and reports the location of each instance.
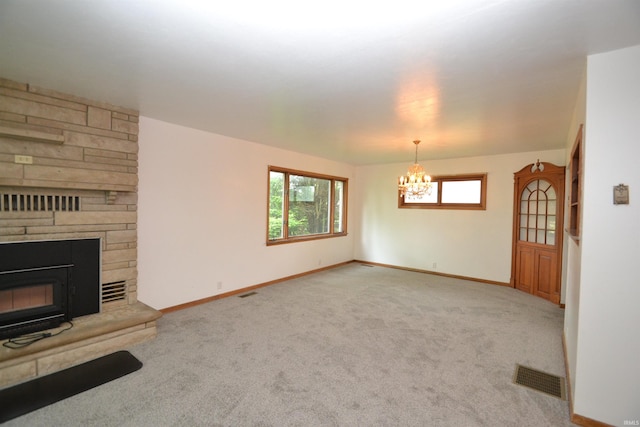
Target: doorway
(538, 230)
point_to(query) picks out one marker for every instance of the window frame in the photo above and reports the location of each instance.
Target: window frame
(438, 180)
(285, 209)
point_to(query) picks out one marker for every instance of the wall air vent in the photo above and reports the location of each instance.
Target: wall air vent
(114, 291)
(24, 202)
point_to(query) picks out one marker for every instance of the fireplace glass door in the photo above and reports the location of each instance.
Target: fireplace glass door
(33, 299)
(26, 297)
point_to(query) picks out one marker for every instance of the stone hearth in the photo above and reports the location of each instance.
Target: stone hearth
(92, 336)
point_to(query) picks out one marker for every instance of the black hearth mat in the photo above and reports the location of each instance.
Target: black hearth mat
(40, 392)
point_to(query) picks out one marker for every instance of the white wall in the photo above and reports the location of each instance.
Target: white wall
(607, 383)
(203, 215)
(468, 243)
(571, 264)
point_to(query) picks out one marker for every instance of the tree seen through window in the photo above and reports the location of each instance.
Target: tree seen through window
(313, 206)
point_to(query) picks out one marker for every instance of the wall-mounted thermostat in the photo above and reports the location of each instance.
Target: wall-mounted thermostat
(621, 194)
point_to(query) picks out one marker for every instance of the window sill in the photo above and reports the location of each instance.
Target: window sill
(303, 239)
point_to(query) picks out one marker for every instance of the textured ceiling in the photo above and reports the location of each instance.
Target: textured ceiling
(353, 81)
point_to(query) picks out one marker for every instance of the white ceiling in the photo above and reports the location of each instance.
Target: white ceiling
(349, 80)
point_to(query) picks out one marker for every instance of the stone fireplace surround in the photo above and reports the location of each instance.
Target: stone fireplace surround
(69, 170)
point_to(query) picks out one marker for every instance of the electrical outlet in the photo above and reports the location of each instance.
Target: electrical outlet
(219, 285)
(23, 160)
(435, 265)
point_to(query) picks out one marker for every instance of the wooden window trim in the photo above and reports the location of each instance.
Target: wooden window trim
(331, 234)
(437, 180)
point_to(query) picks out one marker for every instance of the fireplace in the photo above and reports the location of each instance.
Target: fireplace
(45, 283)
(77, 178)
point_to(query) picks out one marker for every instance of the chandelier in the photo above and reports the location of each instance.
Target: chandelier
(416, 182)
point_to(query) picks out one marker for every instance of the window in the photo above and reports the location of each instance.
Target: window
(538, 207)
(451, 192)
(574, 198)
(305, 206)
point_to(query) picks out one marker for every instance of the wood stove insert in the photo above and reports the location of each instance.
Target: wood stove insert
(45, 283)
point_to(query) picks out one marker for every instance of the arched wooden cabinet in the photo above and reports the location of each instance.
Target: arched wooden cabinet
(537, 230)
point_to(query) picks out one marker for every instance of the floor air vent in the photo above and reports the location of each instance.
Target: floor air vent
(541, 381)
(247, 295)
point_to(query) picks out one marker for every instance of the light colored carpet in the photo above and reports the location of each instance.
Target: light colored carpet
(350, 346)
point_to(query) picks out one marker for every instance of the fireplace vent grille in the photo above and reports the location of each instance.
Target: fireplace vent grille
(114, 291)
(21, 202)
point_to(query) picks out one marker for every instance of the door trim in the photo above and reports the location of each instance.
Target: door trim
(556, 176)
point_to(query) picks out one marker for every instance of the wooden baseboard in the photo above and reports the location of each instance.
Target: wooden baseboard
(250, 288)
(246, 289)
(576, 418)
(437, 273)
(587, 422)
